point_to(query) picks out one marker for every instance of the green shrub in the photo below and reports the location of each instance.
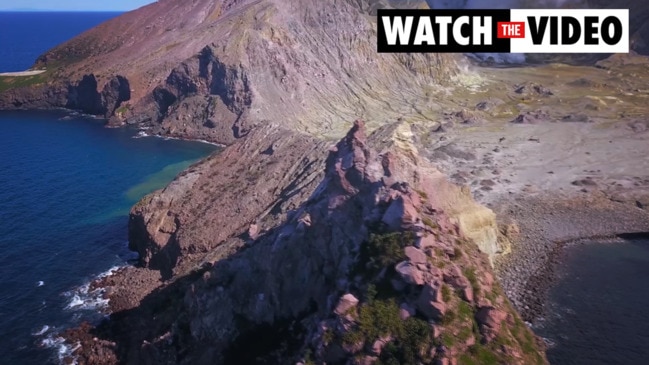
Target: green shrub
(413, 338)
(465, 311)
(387, 249)
(379, 318)
(483, 355)
(416, 336)
(471, 276)
(446, 293)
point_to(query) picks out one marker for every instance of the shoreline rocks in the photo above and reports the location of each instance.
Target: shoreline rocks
(546, 224)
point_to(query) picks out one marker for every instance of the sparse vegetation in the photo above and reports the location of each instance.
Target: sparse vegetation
(307, 358)
(328, 336)
(123, 109)
(457, 253)
(376, 319)
(11, 82)
(387, 250)
(448, 317)
(429, 222)
(448, 339)
(480, 355)
(446, 293)
(439, 252)
(471, 276)
(465, 311)
(380, 318)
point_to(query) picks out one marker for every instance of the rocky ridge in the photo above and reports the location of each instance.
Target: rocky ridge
(224, 247)
(371, 267)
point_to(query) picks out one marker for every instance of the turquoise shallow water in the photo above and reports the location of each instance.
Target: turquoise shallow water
(598, 311)
(66, 187)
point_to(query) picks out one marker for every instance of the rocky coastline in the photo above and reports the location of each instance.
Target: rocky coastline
(545, 226)
(444, 253)
(442, 210)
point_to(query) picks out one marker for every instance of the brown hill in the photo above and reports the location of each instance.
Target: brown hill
(211, 69)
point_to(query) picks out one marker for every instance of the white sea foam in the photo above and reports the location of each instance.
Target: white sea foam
(42, 331)
(167, 138)
(63, 350)
(82, 298)
(141, 134)
(40, 283)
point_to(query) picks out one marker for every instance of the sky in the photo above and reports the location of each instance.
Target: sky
(73, 5)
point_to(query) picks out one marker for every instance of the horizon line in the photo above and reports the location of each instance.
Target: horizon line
(61, 11)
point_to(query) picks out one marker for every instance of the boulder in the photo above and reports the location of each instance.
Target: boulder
(467, 294)
(490, 320)
(253, 231)
(430, 302)
(426, 241)
(401, 214)
(346, 303)
(490, 317)
(532, 117)
(415, 255)
(410, 273)
(456, 279)
(378, 345)
(406, 311)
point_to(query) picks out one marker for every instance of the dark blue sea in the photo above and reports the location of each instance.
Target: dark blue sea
(26, 35)
(66, 187)
(598, 310)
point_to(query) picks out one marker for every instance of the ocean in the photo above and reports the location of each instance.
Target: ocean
(66, 187)
(597, 311)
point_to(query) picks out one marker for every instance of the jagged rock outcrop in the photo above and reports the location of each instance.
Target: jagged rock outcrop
(82, 95)
(249, 187)
(374, 242)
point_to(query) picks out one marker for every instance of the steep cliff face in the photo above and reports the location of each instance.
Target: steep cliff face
(82, 95)
(376, 228)
(361, 253)
(228, 199)
(319, 64)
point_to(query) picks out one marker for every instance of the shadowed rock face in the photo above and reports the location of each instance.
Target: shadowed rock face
(210, 207)
(296, 269)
